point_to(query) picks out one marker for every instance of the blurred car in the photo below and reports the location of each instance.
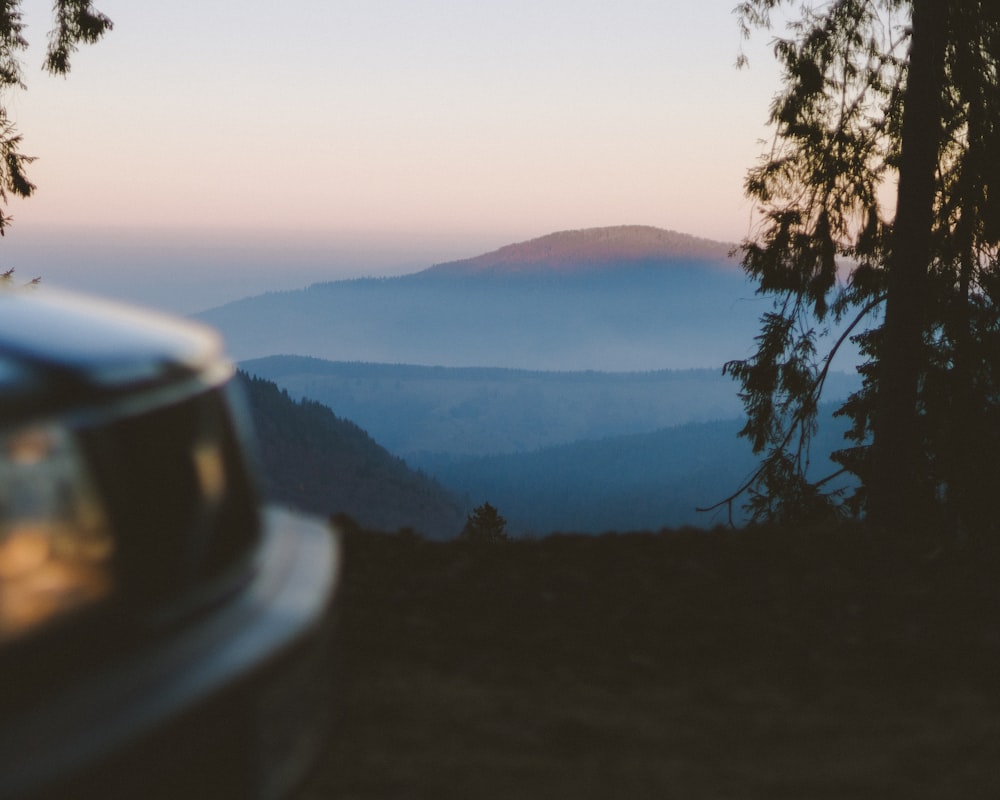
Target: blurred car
(161, 634)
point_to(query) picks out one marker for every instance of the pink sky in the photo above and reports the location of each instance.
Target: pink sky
(389, 133)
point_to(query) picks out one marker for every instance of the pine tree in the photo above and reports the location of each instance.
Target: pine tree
(877, 92)
(76, 22)
(484, 526)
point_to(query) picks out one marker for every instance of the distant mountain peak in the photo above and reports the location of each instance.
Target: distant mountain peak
(568, 251)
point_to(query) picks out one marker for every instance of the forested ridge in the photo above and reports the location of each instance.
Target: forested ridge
(313, 460)
(422, 412)
(622, 483)
(575, 451)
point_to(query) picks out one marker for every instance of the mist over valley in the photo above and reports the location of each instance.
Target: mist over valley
(430, 414)
(571, 451)
(532, 377)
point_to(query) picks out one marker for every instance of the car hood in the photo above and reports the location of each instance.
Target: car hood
(60, 350)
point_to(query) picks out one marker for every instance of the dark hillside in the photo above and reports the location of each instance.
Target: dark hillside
(807, 665)
(634, 482)
(317, 462)
(631, 482)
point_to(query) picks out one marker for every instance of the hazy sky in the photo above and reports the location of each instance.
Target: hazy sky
(310, 139)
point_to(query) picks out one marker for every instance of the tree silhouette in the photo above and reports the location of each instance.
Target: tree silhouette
(76, 22)
(877, 92)
(484, 526)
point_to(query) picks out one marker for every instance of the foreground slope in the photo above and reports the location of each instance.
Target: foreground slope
(803, 664)
(630, 298)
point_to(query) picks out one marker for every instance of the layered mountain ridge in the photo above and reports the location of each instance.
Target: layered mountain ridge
(610, 299)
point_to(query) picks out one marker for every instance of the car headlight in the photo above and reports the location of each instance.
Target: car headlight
(56, 546)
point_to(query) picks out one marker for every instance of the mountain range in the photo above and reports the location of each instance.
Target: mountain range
(430, 415)
(585, 452)
(611, 299)
(573, 381)
(626, 483)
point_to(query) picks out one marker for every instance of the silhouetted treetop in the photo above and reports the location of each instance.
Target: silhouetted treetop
(485, 526)
(76, 22)
(879, 222)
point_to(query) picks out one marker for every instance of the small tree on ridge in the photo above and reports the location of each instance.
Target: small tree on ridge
(484, 525)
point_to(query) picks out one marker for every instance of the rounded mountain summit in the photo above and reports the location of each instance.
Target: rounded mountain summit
(590, 249)
(627, 298)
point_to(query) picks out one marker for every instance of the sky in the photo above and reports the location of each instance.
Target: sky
(206, 150)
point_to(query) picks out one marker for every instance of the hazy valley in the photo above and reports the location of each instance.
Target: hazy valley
(619, 444)
(580, 451)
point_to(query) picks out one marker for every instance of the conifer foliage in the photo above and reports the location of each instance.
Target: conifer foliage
(484, 526)
(76, 22)
(879, 222)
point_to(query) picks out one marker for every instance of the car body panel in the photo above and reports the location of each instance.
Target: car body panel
(206, 671)
(73, 740)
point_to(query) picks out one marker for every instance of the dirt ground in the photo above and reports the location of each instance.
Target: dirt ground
(741, 664)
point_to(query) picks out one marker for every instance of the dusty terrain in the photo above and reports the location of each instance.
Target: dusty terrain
(753, 664)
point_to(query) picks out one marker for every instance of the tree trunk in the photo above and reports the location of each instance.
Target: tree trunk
(895, 489)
